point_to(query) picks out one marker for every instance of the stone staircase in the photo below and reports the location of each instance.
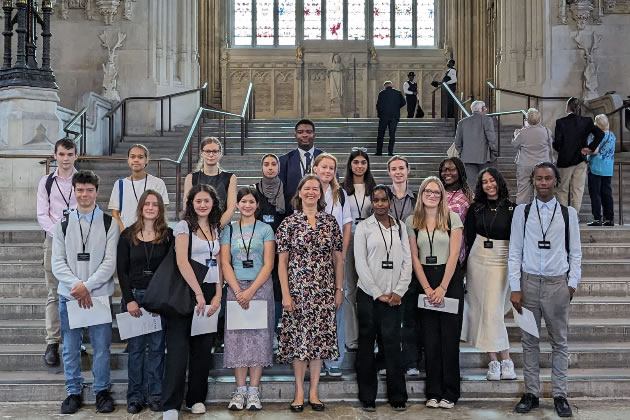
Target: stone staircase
(599, 332)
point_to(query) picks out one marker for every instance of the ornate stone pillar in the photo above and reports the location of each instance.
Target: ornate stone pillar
(211, 39)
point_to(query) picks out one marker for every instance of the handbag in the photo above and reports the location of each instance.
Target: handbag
(168, 293)
(452, 151)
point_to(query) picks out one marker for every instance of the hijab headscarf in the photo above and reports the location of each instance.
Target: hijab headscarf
(272, 188)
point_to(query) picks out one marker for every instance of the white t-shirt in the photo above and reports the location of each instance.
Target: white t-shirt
(201, 250)
(130, 200)
(342, 214)
(359, 203)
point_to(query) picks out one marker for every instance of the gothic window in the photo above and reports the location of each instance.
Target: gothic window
(390, 23)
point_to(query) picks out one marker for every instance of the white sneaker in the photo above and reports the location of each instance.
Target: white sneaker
(446, 404)
(237, 402)
(494, 371)
(382, 372)
(198, 408)
(432, 403)
(253, 402)
(413, 372)
(170, 415)
(507, 370)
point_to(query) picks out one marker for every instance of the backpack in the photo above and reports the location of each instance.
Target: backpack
(565, 215)
(48, 185)
(120, 194)
(107, 222)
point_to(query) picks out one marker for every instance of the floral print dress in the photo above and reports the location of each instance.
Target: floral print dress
(309, 332)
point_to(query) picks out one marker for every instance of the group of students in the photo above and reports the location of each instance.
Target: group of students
(345, 263)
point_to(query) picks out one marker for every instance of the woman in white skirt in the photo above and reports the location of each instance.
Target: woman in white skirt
(487, 234)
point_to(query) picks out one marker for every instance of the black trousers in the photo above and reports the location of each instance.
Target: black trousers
(412, 101)
(441, 339)
(411, 331)
(600, 191)
(386, 123)
(375, 315)
(448, 104)
(183, 351)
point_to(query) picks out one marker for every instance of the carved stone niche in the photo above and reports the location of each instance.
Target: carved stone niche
(582, 12)
(616, 6)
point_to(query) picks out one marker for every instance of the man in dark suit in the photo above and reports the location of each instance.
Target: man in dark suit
(388, 107)
(298, 162)
(570, 141)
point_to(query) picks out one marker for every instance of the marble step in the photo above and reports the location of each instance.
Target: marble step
(31, 288)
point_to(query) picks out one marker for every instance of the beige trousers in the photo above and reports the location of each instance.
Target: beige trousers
(53, 334)
(524, 186)
(571, 187)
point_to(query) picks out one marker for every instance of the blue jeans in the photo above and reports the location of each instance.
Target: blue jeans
(145, 370)
(100, 339)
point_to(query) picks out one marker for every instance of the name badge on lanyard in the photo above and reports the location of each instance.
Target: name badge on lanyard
(211, 262)
(268, 218)
(488, 244)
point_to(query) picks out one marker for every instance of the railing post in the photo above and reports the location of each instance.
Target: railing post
(433, 104)
(224, 133)
(178, 190)
(499, 135)
(242, 136)
(620, 197)
(123, 118)
(529, 101)
(622, 114)
(159, 169)
(111, 134)
(84, 134)
(161, 117)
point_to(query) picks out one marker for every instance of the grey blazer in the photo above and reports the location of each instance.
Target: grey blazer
(475, 139)
(533, 145)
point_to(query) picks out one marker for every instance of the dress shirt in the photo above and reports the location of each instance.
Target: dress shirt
(303, 158)
(401, 208)
(452, 73)
(406, 89)
(525, 254)
(369, 253)
(50, 209)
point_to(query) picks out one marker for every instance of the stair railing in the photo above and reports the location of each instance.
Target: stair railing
(529, 96)
(79, 137)
(498, 116)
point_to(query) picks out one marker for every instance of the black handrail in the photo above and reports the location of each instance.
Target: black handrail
(620, 196)
(498, 115)
(528, 95)
(621, 110)
(80, 137)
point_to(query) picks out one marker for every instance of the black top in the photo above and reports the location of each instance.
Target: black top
(220, 182)
(131, 262)
(499, 229)
(571, 136)
(267, 210)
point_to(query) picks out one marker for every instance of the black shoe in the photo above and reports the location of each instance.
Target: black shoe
(594, 223)
(134, 407)
(527, 402)
(71, 404)
(370, 406)
(155, 406)
(317, 406)
(51, 357)
(104, 402)
(83, 350)
(378, 154)
(401, 406)
(390, 154)
(608, 223)
(297, 408)
(562, 407)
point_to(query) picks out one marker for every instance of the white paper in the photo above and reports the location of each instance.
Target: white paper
(526, 321)
(130, 326)
(99, 313)
(254, 318)
(202, 324)
(449, 305)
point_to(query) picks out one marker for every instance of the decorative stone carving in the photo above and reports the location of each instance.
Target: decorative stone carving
(336, 79)
(66, 5)
(108, 9)
(299, 52)
(284, 90)
(616, 6)
(373, 56)
(110, 72)
(581, 11)
(128, 12)
(590, 82)
(262, 83)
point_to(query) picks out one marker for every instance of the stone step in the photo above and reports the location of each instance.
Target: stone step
(606, 267)
(21, 251)
(21, 232)
(19, 269)
(31, 288)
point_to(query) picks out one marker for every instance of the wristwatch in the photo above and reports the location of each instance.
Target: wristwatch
(339, 288)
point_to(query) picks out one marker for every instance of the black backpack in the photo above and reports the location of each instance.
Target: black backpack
(107, 222)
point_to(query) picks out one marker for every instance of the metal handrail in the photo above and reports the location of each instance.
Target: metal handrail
(498, 115)
(457, 101)
(620, 110)
(79, 136)
(528, 95)
(620, 187)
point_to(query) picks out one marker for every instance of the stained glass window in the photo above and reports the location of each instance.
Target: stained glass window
(382, 22)
(403, 19)
(243, 22)
(286, 22)
(426, 23)
(356, 19)
(334, 19)
(312, 19)
(264, 22)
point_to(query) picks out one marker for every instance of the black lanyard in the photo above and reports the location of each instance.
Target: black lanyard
(134, 188)
(147, 254)
(249, 245)
(483, 218)
(544, 232)
(62, 196)
(210, 243)
(391, 237)
(309, 167)
(357, 201)
(402, 211)
(89, 230)
(430, 240)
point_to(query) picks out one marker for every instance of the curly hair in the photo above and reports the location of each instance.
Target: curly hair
(462, 178)
(190, 215)
(368, 179)
(481, 198)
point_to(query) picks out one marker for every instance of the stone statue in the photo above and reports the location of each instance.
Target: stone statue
(373, 56)
(336, 80)
(110, 72)
(590, 82)
(299, 52)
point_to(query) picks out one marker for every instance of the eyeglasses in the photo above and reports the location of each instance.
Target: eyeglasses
(211, 152)
(432, 193)
(359, 149)
(445, 169)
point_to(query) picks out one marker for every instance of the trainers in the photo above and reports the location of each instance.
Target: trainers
(71, 404)
(198, 408)
(494, 371)
(382, 372)
(170, 415)
(398, 406)
(446, 404)
(104, 402)
(237, 402)
(507, 370)
(334, 371)
(432, 403)
(51, 357)
(413, 372)
(253, 401)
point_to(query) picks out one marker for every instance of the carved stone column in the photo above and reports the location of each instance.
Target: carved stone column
(211, 39)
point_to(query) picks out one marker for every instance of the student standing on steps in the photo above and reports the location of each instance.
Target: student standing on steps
(84, 261)
(55, 198)
(337, 205)
(127, 191)
(544, 268)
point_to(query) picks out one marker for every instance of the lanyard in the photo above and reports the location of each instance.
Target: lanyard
(145, 186)
(357, 201)
(402, 211)
(210, 243)
(303, 163)
(147, 254)
(84, 242)
(62, 196)
(483, 218)
(430, 240)
(249, 245)
(391, 237)
(544, 232)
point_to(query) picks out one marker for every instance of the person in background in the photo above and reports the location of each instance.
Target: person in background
(435, 237)
(410, 89)
(311, 275)
(337, 205)
(247, 254)
(55, 199)
(476, 141)
(384, 269)
(196, 238)
(358, 184)
(487, 233)
(533, 144)
(141, 249)
(209, 172)
(601, 163)
(388, 107)
(450, 79)
(127, 191)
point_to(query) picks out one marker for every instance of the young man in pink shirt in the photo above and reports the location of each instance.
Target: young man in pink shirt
(55, 197)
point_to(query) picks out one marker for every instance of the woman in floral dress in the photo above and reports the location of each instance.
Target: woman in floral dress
(310, 267)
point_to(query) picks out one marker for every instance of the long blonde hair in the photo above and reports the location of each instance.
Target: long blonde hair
(419, 212)
(334, 184)
(205, 141)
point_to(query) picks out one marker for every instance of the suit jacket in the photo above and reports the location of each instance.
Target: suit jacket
(291, 173)
(389, 103)
(475, 139)
(571, 134)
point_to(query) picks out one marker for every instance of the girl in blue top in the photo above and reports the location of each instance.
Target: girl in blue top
(601, 163)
